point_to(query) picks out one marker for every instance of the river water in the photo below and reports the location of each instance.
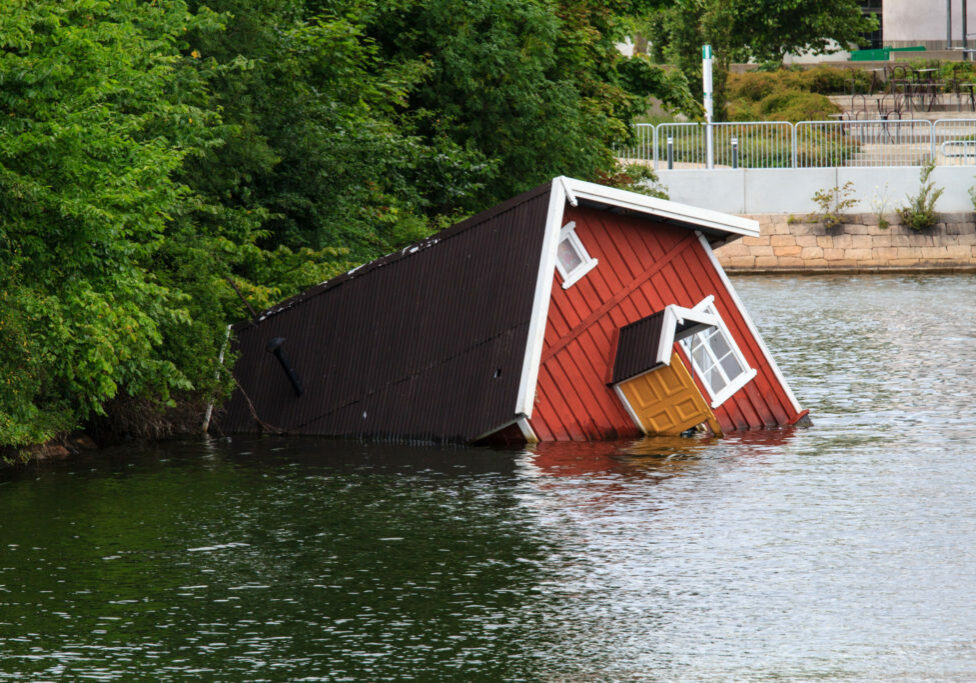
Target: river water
(844, 551)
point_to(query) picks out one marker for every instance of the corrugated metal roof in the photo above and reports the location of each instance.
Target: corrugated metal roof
(425, 343)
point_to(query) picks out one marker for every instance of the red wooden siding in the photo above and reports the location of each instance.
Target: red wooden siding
(643, 266)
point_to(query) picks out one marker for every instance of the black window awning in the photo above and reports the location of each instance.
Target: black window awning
(646, 344)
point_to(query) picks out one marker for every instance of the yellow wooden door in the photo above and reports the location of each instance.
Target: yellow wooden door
(666, 400)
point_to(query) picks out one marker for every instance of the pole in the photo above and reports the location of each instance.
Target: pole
(965, 27)
(707, 90)
(948, 24)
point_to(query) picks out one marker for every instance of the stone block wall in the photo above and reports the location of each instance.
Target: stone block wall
(794, 244)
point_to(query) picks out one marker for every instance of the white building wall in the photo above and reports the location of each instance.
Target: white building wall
(917, 21)
(791, 190)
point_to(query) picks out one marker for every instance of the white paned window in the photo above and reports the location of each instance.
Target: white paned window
(572, 259)
(716, 358)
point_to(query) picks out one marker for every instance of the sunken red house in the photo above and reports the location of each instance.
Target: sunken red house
(571, 312)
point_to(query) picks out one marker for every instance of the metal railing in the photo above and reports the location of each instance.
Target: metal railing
(807, 144)
(880, 142)
(954, 142)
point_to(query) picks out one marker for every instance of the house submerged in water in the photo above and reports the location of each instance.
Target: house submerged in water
(571, 312)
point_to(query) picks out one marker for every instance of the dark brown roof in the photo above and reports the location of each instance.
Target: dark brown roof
(425, 343)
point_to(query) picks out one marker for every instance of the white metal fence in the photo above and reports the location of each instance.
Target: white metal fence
(807, 144)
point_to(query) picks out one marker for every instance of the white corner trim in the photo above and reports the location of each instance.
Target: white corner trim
(540, 302)
(751, 325)
(527, 432)
(628, 407)
(569, 192)
(663, 208)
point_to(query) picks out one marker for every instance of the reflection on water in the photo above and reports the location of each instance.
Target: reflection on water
(842, 551)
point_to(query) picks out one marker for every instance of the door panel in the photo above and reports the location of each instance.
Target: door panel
(667, 401)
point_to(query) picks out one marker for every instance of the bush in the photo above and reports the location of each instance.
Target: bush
(753, 85)
(788, 95)
(834, 201)
(920, 212)
(794, 105)
(828, 80)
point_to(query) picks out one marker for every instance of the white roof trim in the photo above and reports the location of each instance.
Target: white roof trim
(663, 208)
(570, 197)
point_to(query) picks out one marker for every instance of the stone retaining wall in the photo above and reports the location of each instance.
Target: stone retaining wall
(792, 244)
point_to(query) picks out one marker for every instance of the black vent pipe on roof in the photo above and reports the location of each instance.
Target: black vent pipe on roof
(274, 346)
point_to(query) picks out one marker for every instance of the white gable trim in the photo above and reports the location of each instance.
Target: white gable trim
(663, 208)
(749, 323)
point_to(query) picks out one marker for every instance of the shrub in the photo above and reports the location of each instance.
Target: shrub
(786, 95)
(828, 80)
(637, 178)
(834, 201)
(753, 85)
(920, 212)
(795, 105)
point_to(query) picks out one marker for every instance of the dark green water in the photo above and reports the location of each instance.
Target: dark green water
(846, 551)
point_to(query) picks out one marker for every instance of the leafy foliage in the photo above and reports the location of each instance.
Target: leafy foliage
(919, 213)
(833, 202)
(91, 135)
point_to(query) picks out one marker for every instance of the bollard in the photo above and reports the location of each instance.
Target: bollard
(670, 152)
(735, 152)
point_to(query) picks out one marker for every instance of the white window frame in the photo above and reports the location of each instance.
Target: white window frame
(587, 262)
(707, 305)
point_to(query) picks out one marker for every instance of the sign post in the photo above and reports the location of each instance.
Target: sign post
(707, 89)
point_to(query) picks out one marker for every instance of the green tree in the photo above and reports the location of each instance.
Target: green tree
(114, 290)
(758, 30)
(87, 115)
(534, 88)
(366, 125)
(311, 146)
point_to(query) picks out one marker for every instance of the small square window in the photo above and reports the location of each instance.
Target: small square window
(716, 358)
(572, 259)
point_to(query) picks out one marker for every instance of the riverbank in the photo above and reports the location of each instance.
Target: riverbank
(790, 243)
